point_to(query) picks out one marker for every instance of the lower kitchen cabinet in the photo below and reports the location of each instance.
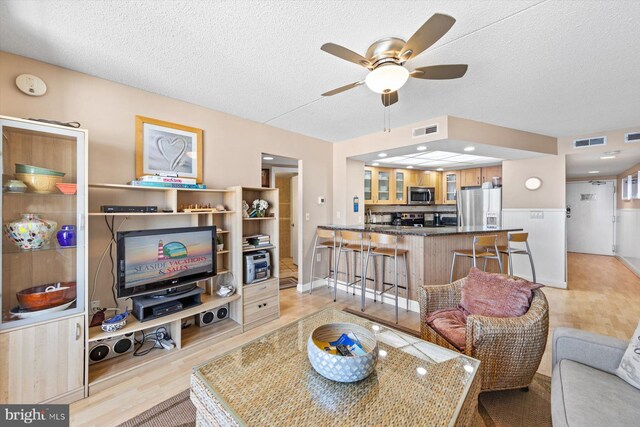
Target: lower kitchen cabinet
(43, 363)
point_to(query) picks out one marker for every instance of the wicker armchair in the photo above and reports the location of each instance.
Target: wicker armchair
(509, 349)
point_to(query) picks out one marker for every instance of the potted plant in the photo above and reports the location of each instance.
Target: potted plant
(219, 243)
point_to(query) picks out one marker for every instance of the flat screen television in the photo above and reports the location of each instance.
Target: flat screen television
(158, 261)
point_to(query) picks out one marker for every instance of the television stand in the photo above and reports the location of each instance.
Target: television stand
(147, 308)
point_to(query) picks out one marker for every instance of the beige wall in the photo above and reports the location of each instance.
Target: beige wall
(550, 169)
(615, 141)
(354, 187)
(627, 204)
(232, 146)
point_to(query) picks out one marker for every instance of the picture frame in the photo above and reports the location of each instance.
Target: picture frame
(168, 148)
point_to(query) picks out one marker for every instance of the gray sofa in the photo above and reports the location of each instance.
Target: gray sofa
(585, 390)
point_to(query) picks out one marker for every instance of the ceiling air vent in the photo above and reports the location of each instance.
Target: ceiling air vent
(590, 142)
(418, 132)
(632, 137)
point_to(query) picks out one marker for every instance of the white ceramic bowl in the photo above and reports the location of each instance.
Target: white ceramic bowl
(341, 368)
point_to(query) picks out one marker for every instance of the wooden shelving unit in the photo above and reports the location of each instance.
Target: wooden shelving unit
(112, 371)
(263, 305)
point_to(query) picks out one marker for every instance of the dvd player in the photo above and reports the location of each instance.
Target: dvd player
(128, 209)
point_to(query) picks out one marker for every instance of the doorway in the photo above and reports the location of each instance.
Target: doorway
(283, 175)
(591, 217)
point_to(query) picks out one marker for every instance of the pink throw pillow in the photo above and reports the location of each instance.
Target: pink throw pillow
(496, 295)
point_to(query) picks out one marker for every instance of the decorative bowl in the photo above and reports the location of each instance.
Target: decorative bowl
(46, 296)
(30, 232)
(115, 323)
(339, 368)
(67, 188)
(29, 169)
(39, 183)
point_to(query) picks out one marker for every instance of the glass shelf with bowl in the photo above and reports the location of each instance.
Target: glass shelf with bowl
(44, 199)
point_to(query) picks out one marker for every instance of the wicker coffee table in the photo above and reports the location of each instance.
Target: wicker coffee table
(270, 382)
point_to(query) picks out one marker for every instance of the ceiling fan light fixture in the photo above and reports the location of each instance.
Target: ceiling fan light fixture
(387, 78)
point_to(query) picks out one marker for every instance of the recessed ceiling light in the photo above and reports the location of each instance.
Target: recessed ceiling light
(382, 155)
(421, 148)
(267, 158)
(439, 169)
(607, 157)
(469, 148)
(594, 171)
(375, 164)
(409, 167)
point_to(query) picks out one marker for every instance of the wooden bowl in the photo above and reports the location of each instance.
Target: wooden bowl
(341, 368)
(39, 183)
(37, 298)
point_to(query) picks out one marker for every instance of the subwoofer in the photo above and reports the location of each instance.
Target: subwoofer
(210, 317)
(109, 348)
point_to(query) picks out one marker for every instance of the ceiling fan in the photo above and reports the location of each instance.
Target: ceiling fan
(385, 60)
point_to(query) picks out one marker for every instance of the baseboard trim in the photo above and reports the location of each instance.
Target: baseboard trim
(630, 266)
(402, 302)
(546, 282)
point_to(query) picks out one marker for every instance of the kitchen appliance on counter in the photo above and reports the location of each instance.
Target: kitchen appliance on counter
(441, 219)
(479, 207)
(412, 219)
(421, 195)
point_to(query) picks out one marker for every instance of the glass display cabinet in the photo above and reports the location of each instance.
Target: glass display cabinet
(43, 217)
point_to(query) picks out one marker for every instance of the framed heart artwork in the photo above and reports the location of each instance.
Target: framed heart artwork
(168, 148)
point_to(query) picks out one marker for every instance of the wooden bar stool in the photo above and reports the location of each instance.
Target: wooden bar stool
(479, 250)
(328, 243)
(348, 249)
(388, 252)
(508, 250)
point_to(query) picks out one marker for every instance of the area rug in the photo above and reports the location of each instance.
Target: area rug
(288, 282)
(177, 411)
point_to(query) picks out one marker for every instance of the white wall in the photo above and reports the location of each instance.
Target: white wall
(628, 238)
(547, 241)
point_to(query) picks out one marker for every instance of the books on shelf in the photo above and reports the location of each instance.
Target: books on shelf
(169, 179)
(256, 241)
(138, 183)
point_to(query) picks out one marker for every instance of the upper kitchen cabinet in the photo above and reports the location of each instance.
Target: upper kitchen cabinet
(488, 173)
(450, 187)
(368, 184)
(400, 178)
(471, 177)
(383, 184)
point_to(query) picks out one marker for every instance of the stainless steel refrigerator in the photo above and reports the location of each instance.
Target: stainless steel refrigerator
(480, 207)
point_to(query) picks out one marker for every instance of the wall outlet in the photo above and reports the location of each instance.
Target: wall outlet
(318, 257)
(307, 216)
(536, 214)
(338, 214)
(95, 305)
(359, 220)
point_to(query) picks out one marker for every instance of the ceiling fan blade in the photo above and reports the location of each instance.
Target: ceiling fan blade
(342, 88)
(440, 72)
(346, 54)
(389, 98)
(430, 32)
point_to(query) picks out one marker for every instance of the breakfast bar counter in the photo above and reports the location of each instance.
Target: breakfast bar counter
(430, 251)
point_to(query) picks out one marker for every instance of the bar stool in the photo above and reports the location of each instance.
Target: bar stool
(330, 246)
(388, 252)
(479, 250)
(362, 246)
(508, 251)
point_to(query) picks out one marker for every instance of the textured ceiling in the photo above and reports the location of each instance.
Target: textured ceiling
(554, 67)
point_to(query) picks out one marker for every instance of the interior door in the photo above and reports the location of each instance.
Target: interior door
(590, 217)
(294, 219)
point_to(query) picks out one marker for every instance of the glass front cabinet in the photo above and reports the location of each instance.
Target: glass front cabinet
(451, 186)
(384, 186)
(44, 262)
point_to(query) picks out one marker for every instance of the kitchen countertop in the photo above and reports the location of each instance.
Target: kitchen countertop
(417, 231)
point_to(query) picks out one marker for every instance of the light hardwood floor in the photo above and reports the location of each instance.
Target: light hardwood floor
(604, 297)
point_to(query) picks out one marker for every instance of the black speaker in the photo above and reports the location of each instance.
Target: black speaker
(210, 317)
(109, 348)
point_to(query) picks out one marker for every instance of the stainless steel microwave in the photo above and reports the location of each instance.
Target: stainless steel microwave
(421, 195)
